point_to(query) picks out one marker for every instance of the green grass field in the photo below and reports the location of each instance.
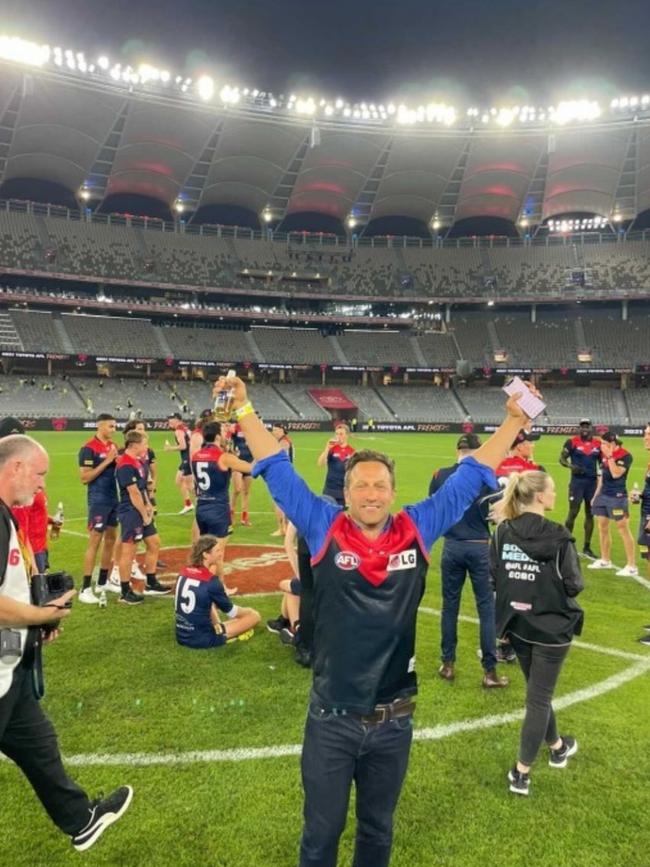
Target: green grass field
(117, 683)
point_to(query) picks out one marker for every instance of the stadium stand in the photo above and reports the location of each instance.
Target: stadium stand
(369, 401)
(301, 345)
(100, 335)
(471, 335)
(416, 403)
(638, 401)
(304, 405)
(438, 350)
(37, 331)
(615, 342)
(377, 348)
(121, 397)
(549, 342)
(602, 405)
(206, 344)
(9, 336)
(36, 396)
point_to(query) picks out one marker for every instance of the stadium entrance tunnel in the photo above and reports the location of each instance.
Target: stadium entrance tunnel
(250, 568)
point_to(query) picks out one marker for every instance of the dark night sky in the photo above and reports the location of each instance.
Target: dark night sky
(462, 50)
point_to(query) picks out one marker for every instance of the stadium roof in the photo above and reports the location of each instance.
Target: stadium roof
(108, 141)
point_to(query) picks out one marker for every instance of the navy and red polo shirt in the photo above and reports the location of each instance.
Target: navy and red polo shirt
(367, 591)
(612, 487)
(584, 455)
(337, 461)
(130, 471)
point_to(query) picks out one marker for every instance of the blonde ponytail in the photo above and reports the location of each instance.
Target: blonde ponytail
(520, 492)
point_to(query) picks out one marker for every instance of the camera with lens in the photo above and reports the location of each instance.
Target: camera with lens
(46, 589)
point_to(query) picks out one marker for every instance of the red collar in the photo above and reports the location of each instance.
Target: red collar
(198, 573)
(129, 461)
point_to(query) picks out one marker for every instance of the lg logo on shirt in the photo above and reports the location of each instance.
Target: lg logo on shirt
(403, 560)
(347, 560)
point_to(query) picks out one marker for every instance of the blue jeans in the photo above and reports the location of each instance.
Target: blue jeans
(338, 749)
(459, 559)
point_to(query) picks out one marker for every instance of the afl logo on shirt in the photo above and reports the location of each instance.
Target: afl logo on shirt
(347, 560)
(403, 560)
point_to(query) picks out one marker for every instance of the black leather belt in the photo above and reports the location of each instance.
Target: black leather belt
(401, 707)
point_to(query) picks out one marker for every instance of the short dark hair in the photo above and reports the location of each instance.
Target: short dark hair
(175, 415)
(366, 456)
(211, 431)
(105, 416)
(132, 425)
(132, 437)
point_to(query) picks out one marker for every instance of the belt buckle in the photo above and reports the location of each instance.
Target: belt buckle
(383, 712)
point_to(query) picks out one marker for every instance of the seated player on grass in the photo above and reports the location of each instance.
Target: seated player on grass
(200, 596)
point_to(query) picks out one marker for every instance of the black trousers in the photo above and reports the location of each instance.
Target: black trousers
(541, 666)
(27, 737)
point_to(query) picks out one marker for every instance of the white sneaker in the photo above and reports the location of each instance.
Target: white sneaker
(600, 564)
(627, 572)
(186, 510)
(136, 572)
(113, 585)
(88, 597)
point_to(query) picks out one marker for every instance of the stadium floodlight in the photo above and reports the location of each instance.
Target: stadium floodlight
(351, 221)
(617, 217)
(490, 303)
(229, 95)
(306, 106)
(523, 222)
(205, 87)
(505, 117)
(84, 193)
(179, 206)
(104, 63)
(435, 222)
(329, 111)
(267, 215)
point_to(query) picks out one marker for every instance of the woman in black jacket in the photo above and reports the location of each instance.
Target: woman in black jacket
(535, 572)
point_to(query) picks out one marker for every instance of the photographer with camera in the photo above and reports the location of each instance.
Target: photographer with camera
(27, 737)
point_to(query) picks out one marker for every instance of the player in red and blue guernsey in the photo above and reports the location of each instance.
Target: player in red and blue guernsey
(611, 503)
(335, 457)
(369, 571)
(581, 454)
(644, 523)
(212, 468)
(97, 471)
(242, 481)
(135, 513)
(200, 596)
(181, 444)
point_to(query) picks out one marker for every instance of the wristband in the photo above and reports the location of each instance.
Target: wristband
(243, 411)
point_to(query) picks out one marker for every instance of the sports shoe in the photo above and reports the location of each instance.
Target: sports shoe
(245, 636)
(446, 671)
(113, 585)
(186, 510)
(627, 572)
(103, 814)
(645, 640)
(505, 653)
(559, 758)
(600, 564)
(519, 783)
(277, 532)
(131, 598)
(136, 572)
(245, 522)
(88, 597)
(303, 656)
(277, 625)
(589, 553)
(491, 680)
(157, 589)
(288, 636)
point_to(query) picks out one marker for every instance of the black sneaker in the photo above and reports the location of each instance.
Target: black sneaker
(647, 627)
(303, 656)
(645, 640)
(157, 589)
(559, 758)
(277, 625)
(288, 636)
(519, 783)
(104, 813)
(589, 553)
(131, 598)
(505, 653)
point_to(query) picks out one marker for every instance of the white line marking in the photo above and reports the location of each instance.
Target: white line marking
(241, 754)
(597, 648)
(75, 533)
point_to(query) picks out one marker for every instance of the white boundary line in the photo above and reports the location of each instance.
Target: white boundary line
(640, 666)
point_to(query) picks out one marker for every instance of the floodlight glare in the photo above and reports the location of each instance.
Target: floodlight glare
(205, 87)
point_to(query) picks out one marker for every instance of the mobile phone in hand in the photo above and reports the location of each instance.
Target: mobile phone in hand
(530, 404)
